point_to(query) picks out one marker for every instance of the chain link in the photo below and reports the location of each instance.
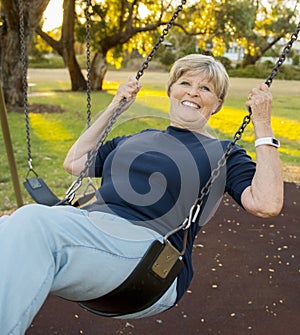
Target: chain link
(283, 55)
(160, 40)
(88, 62)
(23, 56)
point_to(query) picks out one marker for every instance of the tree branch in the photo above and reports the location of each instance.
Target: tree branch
(56, 45)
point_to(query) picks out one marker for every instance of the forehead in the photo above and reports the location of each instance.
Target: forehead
(198, 78)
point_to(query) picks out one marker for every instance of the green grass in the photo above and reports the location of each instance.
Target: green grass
(53, 133)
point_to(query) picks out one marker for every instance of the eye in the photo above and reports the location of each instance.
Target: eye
(184, 83)
(204, 88)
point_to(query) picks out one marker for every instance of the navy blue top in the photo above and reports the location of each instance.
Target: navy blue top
(152, 178)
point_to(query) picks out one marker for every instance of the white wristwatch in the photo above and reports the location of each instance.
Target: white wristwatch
(268, 141)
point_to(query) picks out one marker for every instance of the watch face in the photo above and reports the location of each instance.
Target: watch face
(275, 141)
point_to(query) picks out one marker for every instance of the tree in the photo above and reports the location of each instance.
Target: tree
(11, 64)
(213, 25)
(65, 46)
(271, 21)
(116, 26)
(255, 25)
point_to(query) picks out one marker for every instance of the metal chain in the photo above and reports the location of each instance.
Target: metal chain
(194, 211)
(88, 62)
(160, 40)
(283, 55)
(23, 53)
(77, 183)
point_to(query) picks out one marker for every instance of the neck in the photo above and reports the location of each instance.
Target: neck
(193, 128)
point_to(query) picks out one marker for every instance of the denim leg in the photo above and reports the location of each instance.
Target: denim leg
(27, 271)
(67, 251)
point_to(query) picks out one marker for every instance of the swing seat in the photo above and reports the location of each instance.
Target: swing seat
(147, 283)
(40, 192)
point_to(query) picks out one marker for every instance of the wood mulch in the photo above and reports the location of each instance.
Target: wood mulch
(247, 281)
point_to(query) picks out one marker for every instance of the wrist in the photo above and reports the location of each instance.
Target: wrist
(263, 129)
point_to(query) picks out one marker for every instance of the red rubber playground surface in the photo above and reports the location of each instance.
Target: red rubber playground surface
(247, 281)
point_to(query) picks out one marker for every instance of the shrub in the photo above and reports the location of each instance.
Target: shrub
(225, 61)
(263, 70)
(167, 57)
(46, 63)
(296, 60)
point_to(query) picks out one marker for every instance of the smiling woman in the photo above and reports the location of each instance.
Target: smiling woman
(53, 15)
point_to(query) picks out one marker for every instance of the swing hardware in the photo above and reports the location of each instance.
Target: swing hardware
(193, 215)
(31, 169)
(86, 196)
(30, 166)
(70, 194)
(166, 260)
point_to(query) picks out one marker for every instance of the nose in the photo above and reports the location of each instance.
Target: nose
(193, 91)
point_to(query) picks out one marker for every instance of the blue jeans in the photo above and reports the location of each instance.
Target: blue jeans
(68, 252)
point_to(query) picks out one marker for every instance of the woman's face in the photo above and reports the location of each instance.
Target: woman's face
(193, 100)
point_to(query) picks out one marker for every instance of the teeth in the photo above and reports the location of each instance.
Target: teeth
(190, 104)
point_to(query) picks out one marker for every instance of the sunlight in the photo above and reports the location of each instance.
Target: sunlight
(143, 11)
(50, 131)
(53, 15)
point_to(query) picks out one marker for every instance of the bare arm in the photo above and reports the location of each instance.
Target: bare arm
(264, 197)
(77, 155)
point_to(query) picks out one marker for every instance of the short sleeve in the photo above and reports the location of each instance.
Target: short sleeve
(240, 171)
(96, 167)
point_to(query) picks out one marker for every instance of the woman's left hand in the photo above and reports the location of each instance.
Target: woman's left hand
(260, 102)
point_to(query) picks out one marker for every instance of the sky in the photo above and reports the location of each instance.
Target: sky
(53, 15)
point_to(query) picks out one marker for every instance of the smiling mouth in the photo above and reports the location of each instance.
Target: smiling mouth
(190, 104)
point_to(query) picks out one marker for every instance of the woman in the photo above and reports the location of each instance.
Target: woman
(149, 182)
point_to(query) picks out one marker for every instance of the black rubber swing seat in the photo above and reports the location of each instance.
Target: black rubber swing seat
(40, 192)
(147, 283)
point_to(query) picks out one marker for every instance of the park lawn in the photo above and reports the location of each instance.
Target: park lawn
(53, 133)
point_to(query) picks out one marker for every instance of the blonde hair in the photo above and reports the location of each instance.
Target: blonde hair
(213, 69)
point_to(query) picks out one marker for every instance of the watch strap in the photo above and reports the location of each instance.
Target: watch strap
(267, 141)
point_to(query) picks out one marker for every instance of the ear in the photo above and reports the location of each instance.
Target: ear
(219, 107)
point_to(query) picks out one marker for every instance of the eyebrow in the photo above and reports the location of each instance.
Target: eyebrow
(203, 83)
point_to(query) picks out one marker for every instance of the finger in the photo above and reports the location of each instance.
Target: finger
(133, 81)
(264, 87)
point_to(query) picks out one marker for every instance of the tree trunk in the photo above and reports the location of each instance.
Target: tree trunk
(65, 46)
(250, 60)
(98, 70)
(11, 63)
(264, 47)
(78, 81)
(11, 74)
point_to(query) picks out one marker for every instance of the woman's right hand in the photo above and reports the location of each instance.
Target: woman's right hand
(77, 155)
(127, 91)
